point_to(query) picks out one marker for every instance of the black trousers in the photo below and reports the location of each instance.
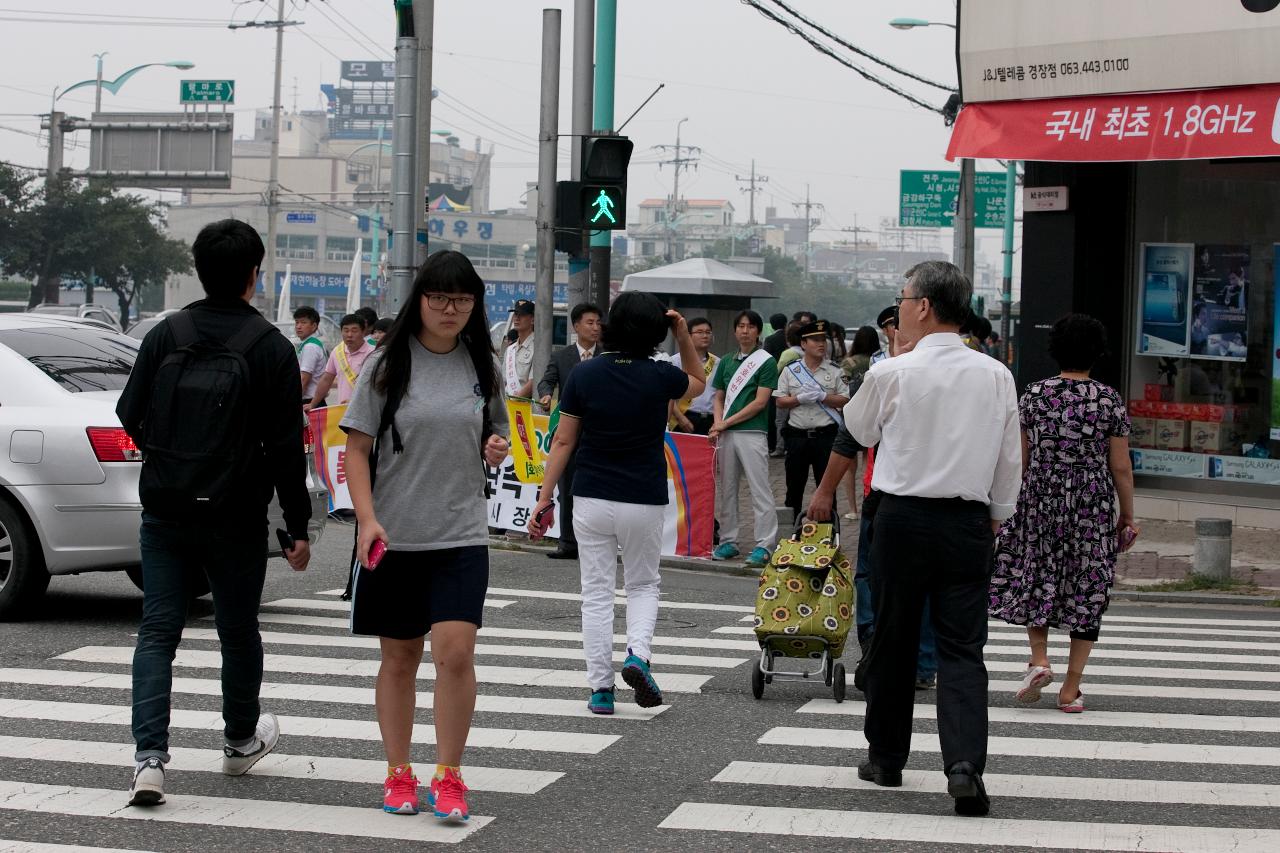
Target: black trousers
(940, 549)
(566, 501)
(772, 435)
(807, 450)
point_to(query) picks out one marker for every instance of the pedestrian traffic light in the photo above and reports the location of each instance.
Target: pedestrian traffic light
(598, 201)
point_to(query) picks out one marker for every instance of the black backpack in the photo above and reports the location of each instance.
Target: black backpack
(196, 432)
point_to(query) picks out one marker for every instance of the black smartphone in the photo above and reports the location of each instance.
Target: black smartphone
(287, 542)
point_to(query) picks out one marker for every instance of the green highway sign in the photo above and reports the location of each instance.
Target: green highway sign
(208, 91)
(928, 199)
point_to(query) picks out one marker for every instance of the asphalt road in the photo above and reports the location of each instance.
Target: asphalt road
(1179, 750)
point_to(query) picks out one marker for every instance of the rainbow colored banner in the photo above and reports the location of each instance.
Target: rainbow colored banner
(331, 453)
(687, 528)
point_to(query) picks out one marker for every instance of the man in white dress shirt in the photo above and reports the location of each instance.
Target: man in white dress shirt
(949, 466)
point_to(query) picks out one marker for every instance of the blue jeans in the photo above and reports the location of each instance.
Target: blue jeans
(235, 562)
(927, 659)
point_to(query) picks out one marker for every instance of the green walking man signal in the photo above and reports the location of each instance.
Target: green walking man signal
(602, 205)
(598, 200)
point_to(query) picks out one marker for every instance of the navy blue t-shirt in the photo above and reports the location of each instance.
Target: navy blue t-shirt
(621, 406)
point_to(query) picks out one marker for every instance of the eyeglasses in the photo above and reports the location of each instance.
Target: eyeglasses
(898, 300)
(439, 302)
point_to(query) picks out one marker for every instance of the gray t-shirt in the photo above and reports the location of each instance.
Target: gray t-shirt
(430, 495)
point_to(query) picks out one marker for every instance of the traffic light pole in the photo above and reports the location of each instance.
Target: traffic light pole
(548, 135)
(424, 31)
(402, 168)
(583, 72)
(606, 51)
(1006, 285)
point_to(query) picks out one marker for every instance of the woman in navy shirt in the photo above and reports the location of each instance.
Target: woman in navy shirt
(613, 414)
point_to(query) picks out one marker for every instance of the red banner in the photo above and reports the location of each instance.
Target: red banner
(1242, 121)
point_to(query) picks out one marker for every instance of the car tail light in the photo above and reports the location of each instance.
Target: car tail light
(113, 444)
(308, 437)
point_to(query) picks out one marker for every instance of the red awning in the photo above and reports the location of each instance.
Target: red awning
(1242, 121)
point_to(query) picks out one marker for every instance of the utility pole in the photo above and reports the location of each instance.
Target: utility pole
(404, 200)
(548, 135)
(751, 189)
(424, 12)
(808, 224)
(584, 22)
(602, 107)
(855, 230)
(962, 252)
(679, 161)
(1006, 285)
(273, 176)
(47, 289)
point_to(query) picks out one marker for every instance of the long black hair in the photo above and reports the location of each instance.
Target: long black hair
(444, 272)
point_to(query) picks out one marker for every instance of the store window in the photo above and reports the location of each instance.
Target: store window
(339, 248)
(1204, 375)
(296, 247)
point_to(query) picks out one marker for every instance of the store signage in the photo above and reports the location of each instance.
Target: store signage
(1168, 463)
(1014, 49)
(1041, 199)
(927, 199)
(1238, 122)
(369, 71)
(1164, 303)
(1243, 469)
(302, 218)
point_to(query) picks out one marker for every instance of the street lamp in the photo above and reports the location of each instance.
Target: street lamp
(912, 23)
(113, 86)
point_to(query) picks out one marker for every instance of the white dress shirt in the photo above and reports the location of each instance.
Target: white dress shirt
(703, 404)
(946, 420)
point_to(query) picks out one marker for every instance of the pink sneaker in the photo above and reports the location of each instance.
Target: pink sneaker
(448, 797)
(401, 795)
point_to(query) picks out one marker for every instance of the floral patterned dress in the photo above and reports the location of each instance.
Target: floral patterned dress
(1056, 557)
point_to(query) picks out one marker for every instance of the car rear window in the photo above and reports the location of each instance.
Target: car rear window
(78, 359)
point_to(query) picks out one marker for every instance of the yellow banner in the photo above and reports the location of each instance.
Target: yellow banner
(526, 442)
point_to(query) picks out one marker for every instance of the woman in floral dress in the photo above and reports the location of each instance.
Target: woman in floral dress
(1056, 557)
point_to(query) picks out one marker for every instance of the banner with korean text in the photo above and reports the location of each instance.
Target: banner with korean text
(331, 453)
(1240, 121)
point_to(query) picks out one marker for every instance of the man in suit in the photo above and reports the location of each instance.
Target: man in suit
(586, 328)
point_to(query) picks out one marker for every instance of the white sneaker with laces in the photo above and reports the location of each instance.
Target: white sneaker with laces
(236, 762)
(148, 784)
(1036, 679)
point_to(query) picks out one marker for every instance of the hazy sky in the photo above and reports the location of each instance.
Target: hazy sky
(749, 88)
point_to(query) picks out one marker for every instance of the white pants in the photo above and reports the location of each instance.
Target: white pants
(742, 452)
(601, 526)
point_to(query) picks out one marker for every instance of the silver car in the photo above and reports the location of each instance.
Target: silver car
(68, 472)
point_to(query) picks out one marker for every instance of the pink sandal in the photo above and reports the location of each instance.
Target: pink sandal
(1075, 706)
(1033, 682)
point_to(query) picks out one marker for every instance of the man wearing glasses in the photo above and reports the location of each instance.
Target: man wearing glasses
(950, 487)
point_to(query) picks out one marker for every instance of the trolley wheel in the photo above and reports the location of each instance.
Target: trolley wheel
(757, 681)
(837, 684)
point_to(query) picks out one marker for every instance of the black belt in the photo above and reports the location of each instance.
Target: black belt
(831, 429)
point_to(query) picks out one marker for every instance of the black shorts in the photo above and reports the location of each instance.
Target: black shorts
(412, 590)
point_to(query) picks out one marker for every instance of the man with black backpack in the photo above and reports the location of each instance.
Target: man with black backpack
(213, 404)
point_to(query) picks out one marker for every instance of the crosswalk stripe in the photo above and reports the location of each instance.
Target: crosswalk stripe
(10, 846)
(554, 653)
(1046, 715)
(1119, 619)
(621, 599)
(345, 606)
(323, 727)
(706, 643)
(1026, 747)
(224, 812)
(329, 693)
(1092, 789)
(1157, 691)
(985, 833)
(331, 769)
(309, 665)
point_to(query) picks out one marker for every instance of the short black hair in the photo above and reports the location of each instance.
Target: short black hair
(703, 321)
(778, 321)
(637, 324)
(793, 333)
(981, 328)
(382, 325)
(306, 312)
(368, 314)
(1077, 342)
(581, 309)
(799, 316)
(226, 253)
(751, 317)
(947, 289)
(354, 320)
(866, 341)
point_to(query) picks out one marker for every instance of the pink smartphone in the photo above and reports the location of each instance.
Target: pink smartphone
(376, 552)
(1127, 537)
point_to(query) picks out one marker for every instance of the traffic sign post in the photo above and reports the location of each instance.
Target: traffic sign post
(208, 91)
(928, 199)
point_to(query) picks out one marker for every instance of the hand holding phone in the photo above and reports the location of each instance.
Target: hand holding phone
(286, 540)
(376, 552)
(1128, 535)
(540, 522)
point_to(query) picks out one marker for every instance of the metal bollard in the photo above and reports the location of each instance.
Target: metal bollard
(1213, 548)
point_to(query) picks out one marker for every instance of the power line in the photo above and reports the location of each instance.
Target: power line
(859, 51)
(106, 22)
(371, 41)
(822, 48)
(309, 38)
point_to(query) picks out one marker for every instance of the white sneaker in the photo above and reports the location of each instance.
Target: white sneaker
(236, 762)
(148, 784)
(1036, 679)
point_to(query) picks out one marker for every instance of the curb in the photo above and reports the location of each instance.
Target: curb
(735, 568)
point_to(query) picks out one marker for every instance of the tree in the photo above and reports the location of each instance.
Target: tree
(70, 227)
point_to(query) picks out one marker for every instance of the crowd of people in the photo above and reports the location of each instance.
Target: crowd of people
(1025, 507)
